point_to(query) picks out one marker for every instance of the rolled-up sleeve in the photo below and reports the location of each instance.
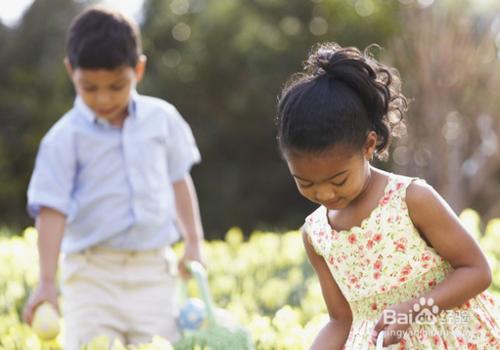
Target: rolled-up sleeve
(182, 150)
(53, 176)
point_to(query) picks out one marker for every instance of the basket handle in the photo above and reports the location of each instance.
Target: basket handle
(200, 276)
(380, 340)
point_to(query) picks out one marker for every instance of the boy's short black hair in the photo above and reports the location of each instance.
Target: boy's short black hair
(100, 38)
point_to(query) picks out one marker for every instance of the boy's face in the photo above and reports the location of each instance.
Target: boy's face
(107, 91)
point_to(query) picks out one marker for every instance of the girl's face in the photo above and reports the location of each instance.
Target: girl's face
(333, 178)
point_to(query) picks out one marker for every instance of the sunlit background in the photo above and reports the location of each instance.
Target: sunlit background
(223, 62)
(12, 11)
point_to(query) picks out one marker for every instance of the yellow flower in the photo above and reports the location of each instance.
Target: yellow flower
(234, 236)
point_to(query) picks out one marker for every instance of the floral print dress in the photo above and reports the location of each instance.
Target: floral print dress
(385, 261)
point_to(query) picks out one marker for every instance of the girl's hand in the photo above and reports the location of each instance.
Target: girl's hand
(394, 323)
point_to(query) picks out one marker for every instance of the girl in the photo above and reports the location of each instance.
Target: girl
(389, 252)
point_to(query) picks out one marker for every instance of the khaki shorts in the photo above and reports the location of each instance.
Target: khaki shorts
(130, 296)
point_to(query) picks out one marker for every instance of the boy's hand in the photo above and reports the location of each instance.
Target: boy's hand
(192, 252)
(46, 291)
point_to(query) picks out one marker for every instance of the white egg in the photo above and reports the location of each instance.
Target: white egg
(46, 321)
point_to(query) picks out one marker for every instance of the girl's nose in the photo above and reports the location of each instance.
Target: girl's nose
(325, 195)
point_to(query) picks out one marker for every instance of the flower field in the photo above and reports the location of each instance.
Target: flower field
(265, 282)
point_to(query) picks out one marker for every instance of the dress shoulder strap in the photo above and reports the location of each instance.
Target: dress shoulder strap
(317, 231)
(398, 184)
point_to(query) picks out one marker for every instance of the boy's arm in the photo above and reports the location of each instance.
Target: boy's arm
(50, 226)
(189, 220)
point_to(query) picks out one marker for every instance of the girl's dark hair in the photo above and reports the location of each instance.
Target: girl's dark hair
(100, 38)
(342, 96)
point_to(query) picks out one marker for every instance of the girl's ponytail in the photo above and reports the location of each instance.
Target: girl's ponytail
(375, 85)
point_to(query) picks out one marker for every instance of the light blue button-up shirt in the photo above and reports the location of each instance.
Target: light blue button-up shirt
(114, 184)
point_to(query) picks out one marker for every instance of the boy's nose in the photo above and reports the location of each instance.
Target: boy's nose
(103, 98)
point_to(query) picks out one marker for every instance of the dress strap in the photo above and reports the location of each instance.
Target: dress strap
(321, 235)
(398, 184)
(316, 231)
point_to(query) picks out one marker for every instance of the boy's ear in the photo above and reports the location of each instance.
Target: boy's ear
(140, 67)
(69, 69)
(370, 145)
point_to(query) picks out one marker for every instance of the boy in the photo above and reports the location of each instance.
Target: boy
(111, 190)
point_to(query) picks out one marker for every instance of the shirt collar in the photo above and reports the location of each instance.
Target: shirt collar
(84, 110)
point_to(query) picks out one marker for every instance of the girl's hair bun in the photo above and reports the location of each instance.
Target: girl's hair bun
(330, 58)
(350, 84)
(322, 60)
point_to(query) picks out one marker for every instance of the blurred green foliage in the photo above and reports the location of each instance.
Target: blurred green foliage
(222, 64)
(224, 79)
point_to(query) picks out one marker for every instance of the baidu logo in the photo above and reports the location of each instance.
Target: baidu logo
(425, 315)
(424, 310)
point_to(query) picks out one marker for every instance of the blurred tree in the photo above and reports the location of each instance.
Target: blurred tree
(222, 63)
(33, 95)
(448, 59)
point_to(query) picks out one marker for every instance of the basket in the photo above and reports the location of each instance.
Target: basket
(216, 335)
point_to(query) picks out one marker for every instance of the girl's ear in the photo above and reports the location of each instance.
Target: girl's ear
(370, 145)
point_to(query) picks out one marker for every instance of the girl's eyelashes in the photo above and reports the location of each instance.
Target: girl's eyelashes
(304, 185)
(340, 183)
(310, 184)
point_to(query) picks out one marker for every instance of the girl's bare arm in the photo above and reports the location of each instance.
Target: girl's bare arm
(334, 334)
(437, 222)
